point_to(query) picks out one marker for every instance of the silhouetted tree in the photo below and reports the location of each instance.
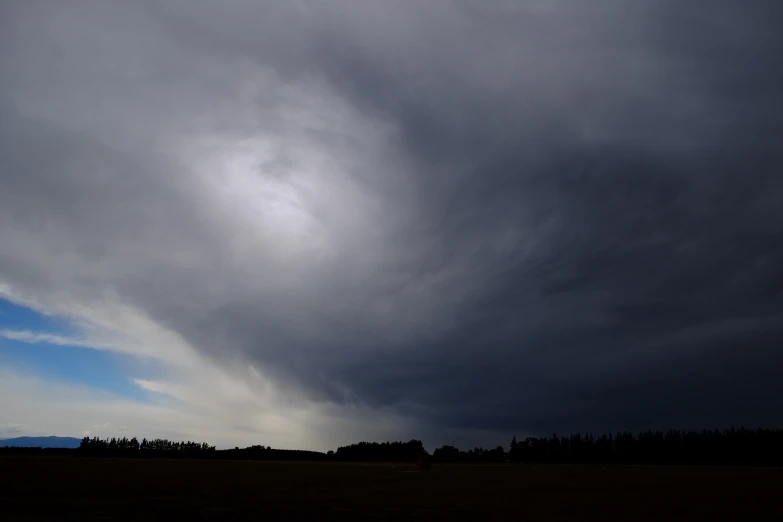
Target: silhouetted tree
(513, 450)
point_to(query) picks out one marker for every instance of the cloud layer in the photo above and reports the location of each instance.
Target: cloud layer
(514, 217)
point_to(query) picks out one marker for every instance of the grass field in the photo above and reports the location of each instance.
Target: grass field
(66, 488)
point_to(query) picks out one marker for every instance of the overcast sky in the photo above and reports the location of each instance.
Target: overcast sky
(305, 224)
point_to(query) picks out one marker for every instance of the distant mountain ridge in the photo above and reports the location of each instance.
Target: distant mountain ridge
(41, 442)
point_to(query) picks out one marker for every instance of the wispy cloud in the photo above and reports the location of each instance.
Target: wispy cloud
(230, 404)
(36, 405)
(27, 336)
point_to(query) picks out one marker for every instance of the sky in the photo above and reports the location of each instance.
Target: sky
(307, 224)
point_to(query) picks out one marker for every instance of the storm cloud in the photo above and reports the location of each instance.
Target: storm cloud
(515, 217)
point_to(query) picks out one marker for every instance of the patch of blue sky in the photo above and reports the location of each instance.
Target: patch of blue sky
(102, 369)
(15, 317)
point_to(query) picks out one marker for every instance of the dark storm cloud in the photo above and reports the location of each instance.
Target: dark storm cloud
(569, 219)
(658, 278)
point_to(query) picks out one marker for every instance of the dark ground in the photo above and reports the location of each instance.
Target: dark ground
(68, 488)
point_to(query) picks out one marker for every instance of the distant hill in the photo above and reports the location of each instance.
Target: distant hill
(41, 442)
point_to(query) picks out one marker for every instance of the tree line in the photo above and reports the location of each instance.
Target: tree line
(259, 452)
(475, 455)
(145, 448)
(381, 452)
(712, 447)
(707, 447)
(731, 447)
(129, 448)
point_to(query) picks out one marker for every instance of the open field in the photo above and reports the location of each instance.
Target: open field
(58, 488)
